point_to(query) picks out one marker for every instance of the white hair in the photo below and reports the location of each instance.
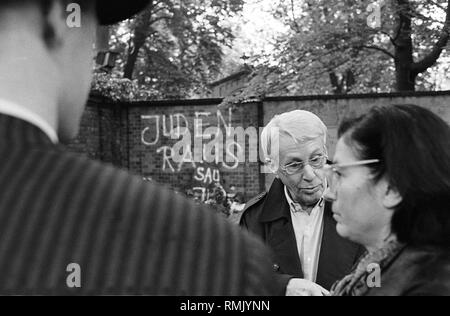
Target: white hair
(302, 126)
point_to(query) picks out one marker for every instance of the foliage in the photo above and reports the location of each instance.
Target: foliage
(174, 49)
(332, 48)
(120, 89)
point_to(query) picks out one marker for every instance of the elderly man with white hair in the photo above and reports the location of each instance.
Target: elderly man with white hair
(293, 218)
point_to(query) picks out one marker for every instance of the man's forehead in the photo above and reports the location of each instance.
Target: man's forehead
(292, 148)
(289, 142)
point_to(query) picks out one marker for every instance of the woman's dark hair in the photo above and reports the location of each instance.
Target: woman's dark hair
(413, 146)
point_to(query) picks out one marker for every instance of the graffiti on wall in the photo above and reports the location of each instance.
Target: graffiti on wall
(206, 183)
(201, 140)
(198, 143)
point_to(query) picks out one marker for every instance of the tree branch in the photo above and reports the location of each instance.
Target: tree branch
(380, 49)
(389, 36)
(437, 5)
(294, 20)
(400, 26)
(167, 17)
(429, 60)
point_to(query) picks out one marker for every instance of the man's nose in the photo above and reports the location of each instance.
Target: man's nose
(308, 173)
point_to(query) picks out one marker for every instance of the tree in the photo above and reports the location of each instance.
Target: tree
(333, 46)
(406, 11)
(175, 47)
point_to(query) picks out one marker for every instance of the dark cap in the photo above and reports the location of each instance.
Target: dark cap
(113, 11)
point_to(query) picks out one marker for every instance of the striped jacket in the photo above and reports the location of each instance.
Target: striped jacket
(71, 226)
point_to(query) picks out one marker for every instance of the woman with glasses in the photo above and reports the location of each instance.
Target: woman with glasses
(390, 188)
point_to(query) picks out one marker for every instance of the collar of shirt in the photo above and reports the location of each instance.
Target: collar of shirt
(296, 207)
(20, 112)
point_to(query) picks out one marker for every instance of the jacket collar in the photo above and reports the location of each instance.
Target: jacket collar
(275, 205)
(16, 131)
(22, 113)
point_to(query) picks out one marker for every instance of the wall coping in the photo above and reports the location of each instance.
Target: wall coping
(360, 96)
(100, 100)
(184, 102)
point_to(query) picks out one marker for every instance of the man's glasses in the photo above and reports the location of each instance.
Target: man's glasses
(317, 162)
(332, 174)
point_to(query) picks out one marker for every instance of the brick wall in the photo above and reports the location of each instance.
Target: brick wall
(141, 136)
(155, 130)
(88, 141)
(102, 132)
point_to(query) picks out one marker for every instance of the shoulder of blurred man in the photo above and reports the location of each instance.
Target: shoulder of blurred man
(127, 236)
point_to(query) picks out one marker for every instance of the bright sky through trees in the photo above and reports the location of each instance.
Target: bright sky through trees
(259, 28)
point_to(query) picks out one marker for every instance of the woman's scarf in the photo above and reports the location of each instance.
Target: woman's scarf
(356, 284)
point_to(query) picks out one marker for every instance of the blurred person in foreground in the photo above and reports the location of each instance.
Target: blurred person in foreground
(71, 226)
(293, 218)
(390, 187)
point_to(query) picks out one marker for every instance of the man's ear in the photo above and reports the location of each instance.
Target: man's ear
(55, 28)
(273, 166)
(391, 197)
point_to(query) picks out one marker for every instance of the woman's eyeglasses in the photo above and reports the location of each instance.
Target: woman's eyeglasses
(332, 174)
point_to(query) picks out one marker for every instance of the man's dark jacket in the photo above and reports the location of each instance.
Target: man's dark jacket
(268, 216)
(126, 236)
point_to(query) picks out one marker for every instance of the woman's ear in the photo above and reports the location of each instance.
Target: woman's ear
(391, 198)
(55, 28)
